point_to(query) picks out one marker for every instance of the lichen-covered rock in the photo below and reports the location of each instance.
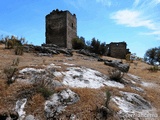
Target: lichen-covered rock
(132, 105)
(20, 105)
(30, 117)
(87, 53)
(58, 102)
(38, 76)
(117, 64)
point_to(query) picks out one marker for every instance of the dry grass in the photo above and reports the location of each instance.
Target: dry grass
(90, 100)
(152, 95)
(35, 106)
(8, 94)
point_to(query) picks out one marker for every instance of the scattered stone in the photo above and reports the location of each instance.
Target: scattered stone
(72, 117)
(65, 51)
(28, 48)
(45, 54)
(29, 117)
(101, 59)
(85, 52)
(47, 50)
(118, 64)
(50, 45)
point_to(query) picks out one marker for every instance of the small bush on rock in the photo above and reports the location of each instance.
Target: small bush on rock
(10, 71)
(45, 92)
(43, 86)
(116, 75)
(108, 98)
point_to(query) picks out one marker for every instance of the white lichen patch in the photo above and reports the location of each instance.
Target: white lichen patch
(30, 70)
(20, 105)
(131, 104)
(67, 64)
(86, 77)
(59, 101)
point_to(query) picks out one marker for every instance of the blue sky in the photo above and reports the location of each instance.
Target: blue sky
(133, 21)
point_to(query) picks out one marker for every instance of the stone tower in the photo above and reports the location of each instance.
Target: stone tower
(61, 28)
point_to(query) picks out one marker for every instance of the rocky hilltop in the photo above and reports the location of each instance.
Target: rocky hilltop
(76, 86)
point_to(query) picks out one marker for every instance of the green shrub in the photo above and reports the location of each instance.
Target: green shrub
(78, 43)
(11, 42)
(97, 47)
(128, 57)
(108, 98)
(153, 69)
(18, 50)
(14, 42)
(46, 92)
(116, 75)
(10, 72)
(44, 87)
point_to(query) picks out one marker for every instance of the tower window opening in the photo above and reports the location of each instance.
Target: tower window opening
(72, 25)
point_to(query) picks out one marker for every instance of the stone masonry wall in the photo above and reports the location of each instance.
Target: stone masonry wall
(61, 28)
(118, 49)
(71, 29)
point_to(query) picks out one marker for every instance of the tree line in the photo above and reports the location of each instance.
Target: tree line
(94, 46)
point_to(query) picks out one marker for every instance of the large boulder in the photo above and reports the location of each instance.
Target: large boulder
(134, 107)
(118, 64)
(87, 53)
(42, 49)
(52, 49)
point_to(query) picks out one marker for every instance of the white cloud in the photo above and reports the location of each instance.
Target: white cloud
(105, 2)
(2, 32)
(156, 1)
(153, 33)
(141, 14)
(132, 18)
(136, 2)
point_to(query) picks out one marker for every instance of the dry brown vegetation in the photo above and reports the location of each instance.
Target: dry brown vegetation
(90, 99)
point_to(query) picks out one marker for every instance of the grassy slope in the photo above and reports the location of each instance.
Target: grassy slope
(90, 98)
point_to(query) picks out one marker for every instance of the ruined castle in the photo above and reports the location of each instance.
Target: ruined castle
(117, 50)
(61, 28)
